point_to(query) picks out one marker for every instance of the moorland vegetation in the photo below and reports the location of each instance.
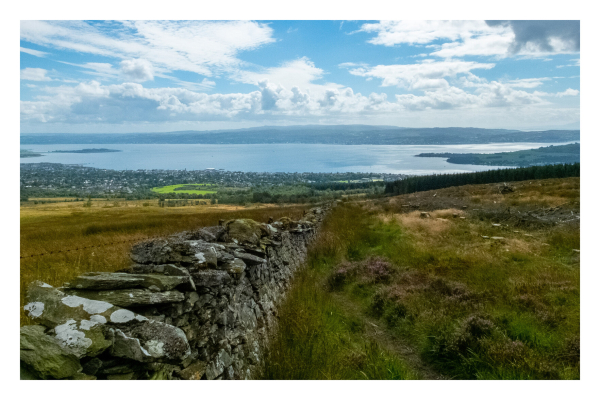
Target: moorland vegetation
(458, 283)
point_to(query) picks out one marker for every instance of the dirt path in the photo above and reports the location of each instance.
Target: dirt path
(394, 345)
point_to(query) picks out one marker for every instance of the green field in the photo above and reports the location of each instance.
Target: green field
(195, 188)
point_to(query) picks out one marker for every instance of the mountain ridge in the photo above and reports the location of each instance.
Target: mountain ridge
(314, 134)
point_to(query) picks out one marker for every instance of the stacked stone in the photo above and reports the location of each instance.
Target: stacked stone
(196, 305)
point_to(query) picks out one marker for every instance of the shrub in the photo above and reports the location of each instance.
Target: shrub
(455, 344)
(376, 270)
(344, 273)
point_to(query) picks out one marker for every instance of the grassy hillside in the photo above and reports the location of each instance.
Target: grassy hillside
(566, 154)
(324, 134)
(29, 153)
(98, 238)
(483, 286)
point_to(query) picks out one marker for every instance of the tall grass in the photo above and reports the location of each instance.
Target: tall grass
(104, 236)
(317, 339)
(472, 308)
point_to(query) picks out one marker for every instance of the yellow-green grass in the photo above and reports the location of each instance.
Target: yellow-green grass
(470, 307)
(172, 189)
(104, 236)
(317, 337)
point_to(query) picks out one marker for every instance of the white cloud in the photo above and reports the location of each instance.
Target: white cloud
(568, 92)
(36, 53)
(426, 75)
(203, 47)
(475, 38)
(574, 63)
(352, 64)
(497, 44)
(391, 33)
(92, 102)
(34, 74)
(528, 83)
(300, 73)
(99, 70)
(137, 70)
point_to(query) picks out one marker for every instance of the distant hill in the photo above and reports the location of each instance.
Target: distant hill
(86, 151)
(566, 154)
(315, 134)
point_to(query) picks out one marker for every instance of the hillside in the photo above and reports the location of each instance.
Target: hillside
(316, 134)
(457, 283)
(566, 154)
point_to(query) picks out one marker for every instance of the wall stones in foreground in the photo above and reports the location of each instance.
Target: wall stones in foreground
(195, 305)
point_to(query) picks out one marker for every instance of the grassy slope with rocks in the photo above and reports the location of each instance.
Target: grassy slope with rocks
(446, 298)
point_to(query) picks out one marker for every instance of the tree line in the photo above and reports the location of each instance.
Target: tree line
(433, 182)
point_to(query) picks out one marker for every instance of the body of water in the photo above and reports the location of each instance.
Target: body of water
(399, 159)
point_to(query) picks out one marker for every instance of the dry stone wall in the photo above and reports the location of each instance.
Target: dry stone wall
(195, 305)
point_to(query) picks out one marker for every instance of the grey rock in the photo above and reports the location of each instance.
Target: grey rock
(173, 270)
(131, 297)
(244, 231)
(161, 251)
(51, 307)
(114, 281)
(105, 280)
(249, 259)
(211, 278)
(236, 268)
(216, 231)
(195, 371)
(43, 354)
(218, 365)
(127, 347)
(203, 234)
(158, 341)
(191, 299)
(92, 366)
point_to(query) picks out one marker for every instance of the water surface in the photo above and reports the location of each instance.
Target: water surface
(275, 157)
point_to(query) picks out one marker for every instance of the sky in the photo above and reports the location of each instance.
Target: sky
(160, 76)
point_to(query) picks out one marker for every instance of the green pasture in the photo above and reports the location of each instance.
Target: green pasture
(189, 188)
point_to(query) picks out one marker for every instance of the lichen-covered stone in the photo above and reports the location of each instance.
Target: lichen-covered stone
(116, 280)
(194, 371)
(131, 297)
(43, 354)
(51, 307)
(160, 251)
(151, 341)
(104, 281)
(244, 231)
(81, 338)
(236, 268)
(249, 259)
(218, 366)
(211, 278)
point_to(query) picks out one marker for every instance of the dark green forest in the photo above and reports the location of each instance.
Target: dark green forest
(433, 182)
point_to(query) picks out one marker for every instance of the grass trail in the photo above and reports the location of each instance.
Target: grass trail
(436, 296)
